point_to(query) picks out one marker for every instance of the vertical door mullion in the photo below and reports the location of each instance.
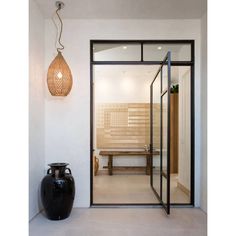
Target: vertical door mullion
(151, 134)
(161, 137)
(168, 134)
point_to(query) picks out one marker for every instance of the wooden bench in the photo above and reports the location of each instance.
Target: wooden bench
(111, 154)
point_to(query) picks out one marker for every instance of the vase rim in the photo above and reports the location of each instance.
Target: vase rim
(58, 164)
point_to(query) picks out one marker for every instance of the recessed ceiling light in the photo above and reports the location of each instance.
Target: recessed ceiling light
(159, 48)
(124, 47)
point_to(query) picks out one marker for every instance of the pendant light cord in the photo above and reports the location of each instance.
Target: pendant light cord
(61, 28)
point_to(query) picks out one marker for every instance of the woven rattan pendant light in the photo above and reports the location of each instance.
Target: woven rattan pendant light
(59, 77)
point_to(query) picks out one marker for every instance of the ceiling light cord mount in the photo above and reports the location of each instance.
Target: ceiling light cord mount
(59, 77)
(59, 6)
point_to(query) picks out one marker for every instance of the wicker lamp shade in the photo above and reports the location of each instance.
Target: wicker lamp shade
(59, 77)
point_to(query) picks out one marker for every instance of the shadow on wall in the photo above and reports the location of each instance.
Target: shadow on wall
(40, 206)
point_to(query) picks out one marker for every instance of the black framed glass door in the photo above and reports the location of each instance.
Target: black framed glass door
(160, 133)
(150, 53)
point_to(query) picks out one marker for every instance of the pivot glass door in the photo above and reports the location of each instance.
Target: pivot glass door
(160, 133)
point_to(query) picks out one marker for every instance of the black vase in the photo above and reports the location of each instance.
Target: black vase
(58, 191)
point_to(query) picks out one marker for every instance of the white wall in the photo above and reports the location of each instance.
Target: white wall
(204, 112)
(36, 107)
(123, 88)
(184, 161)
(67, 120)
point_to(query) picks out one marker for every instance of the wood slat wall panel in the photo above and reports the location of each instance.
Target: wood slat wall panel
(124, 125)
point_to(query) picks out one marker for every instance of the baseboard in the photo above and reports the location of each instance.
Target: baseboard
(40, 211)
(183, 188)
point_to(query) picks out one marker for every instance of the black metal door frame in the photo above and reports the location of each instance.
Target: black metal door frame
(142, 62)
(166, 92)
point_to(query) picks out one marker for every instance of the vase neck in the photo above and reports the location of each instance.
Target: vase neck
(58, 169)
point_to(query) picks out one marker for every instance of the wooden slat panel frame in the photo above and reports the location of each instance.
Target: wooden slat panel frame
(124, 125)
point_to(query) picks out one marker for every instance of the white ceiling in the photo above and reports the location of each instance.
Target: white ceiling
(126, 9)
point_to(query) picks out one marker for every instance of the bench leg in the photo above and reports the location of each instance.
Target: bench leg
(96, 166)
(148, 165)
(110, 164)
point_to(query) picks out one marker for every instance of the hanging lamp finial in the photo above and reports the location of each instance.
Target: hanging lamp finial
(60, 4)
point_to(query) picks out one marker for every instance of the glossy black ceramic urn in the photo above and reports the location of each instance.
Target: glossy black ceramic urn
(58, 191)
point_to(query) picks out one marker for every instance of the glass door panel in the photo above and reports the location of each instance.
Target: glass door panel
(164, 78)
(160, 133)
(116, 52)
(164, 132)
(156, 52)
(165, 174)
(156, 133)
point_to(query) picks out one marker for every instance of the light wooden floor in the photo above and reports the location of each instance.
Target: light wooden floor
(131, 189)
(124, 222)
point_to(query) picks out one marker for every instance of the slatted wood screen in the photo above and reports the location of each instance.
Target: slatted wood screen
(124, 125)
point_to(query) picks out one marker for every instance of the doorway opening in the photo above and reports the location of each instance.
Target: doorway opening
(127, 116)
